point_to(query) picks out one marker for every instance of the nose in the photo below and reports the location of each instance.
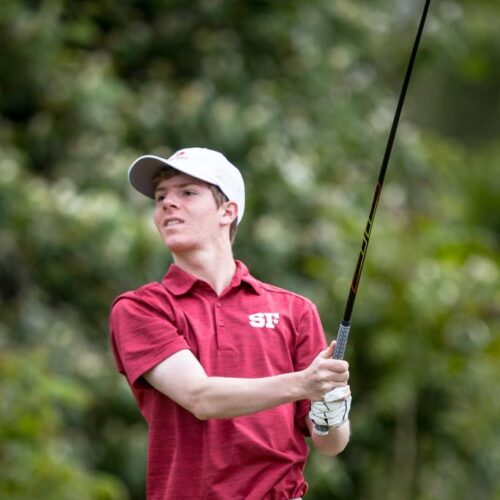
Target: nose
(169, 202)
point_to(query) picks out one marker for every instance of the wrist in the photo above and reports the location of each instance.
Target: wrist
(298, 386)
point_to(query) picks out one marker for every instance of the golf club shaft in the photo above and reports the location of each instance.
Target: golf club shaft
(343, 332)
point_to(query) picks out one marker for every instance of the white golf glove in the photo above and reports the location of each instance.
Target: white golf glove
(333, 411)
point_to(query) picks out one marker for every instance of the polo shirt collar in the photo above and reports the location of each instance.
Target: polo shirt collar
(242, 275)
(179, 282)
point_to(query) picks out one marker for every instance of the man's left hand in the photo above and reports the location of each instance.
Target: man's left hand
(333, 411)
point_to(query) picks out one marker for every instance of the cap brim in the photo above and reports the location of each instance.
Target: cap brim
(142, 172)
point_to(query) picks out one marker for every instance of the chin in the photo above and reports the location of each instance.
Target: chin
(179, 245)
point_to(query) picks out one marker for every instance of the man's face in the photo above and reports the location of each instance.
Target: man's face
(186, 215)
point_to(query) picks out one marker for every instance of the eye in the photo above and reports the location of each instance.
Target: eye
(188, 192)
(159, 198)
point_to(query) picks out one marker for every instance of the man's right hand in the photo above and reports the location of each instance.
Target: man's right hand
(324, 374)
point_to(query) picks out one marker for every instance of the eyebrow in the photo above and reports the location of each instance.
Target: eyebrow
(182, 185)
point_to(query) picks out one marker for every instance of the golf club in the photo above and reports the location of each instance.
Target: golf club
(345, 324)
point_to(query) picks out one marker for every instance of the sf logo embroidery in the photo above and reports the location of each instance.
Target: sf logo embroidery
(261, 320)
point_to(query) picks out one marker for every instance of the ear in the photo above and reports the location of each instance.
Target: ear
(229, 212)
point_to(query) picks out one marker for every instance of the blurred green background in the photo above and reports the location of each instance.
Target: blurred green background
(300, 95)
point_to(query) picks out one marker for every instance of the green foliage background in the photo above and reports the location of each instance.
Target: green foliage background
(300, 95)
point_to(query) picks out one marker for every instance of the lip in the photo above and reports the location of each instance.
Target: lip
(172, 222)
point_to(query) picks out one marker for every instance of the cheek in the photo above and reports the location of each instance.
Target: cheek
(157, 218)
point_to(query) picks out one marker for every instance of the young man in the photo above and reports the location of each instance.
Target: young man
(222, 366)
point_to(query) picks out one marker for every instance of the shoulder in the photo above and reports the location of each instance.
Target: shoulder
(143, 292)
(149, 295)
(285, 295)
(147, 306)
(269, 289)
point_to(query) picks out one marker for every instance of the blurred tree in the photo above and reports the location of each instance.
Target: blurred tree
(300, 95)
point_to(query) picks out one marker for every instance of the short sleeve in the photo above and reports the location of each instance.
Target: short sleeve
(141, 337)
(310, 343)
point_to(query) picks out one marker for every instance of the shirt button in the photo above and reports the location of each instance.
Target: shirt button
(221, 323)
(217, 304)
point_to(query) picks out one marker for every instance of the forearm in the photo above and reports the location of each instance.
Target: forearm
(332, 443)
(224, 397)
(184, 380)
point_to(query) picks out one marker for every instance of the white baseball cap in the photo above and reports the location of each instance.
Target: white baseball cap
(201, 163)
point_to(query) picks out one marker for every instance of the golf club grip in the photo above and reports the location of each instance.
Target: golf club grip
(341, 342)
(338, 353)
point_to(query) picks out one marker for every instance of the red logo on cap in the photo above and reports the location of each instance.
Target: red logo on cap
(180, 154)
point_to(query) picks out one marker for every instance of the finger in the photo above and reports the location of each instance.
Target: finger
(336, 380)
(341, 365)
(328, 352)
(337, 365)
(338, 394)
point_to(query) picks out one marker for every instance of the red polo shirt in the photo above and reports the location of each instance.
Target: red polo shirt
(251, 330)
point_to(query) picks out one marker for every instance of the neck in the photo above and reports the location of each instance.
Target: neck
(212, 267)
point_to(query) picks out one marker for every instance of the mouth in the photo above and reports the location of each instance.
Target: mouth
(172, 222)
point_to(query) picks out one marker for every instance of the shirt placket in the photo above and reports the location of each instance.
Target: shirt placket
(220, 325)
(224, 340)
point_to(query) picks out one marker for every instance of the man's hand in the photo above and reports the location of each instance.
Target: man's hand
(333, 410)
(324, 374)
